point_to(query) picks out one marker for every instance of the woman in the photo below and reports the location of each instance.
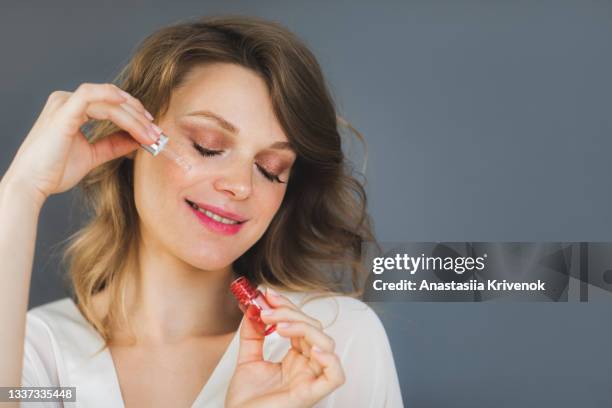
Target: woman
(268, 196)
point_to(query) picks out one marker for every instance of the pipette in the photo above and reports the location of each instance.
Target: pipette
(169, 151)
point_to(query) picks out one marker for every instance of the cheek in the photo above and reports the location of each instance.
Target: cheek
(156, 185)
(269, 201)
(278, 199)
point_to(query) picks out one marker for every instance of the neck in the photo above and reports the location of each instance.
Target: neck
(169, 301)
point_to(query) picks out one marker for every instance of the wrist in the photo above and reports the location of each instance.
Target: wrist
(14, 188)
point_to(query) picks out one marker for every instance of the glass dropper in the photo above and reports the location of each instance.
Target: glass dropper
(169, 151)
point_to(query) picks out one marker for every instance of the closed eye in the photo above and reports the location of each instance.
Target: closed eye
(205, 152)
(209, 153)
(269, 176)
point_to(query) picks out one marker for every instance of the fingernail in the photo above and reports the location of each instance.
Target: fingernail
(267, 312)
(316, 349)
(148, 115)
(157, 128)
(271, 291)
(283, 325)
(153, 135)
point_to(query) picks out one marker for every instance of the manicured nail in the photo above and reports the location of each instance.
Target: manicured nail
(283, 325)
(316, 349)
(148, 115)
(157, 128)
(267, 312)
(153, 135)
(271, 291)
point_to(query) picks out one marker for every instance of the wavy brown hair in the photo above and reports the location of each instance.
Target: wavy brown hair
(314, 242)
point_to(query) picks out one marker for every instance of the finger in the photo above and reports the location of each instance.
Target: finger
(332, 375)
(140, 116)
(285, 313)
(276, 299)
(314, 364)
(251, 339)
(123, 119)
(56, 99)
(136, 104)
(76, 105)
(299, 343)
(296, 343)
(306, 350)
(313, 335)
(305, 346)
(115, 145)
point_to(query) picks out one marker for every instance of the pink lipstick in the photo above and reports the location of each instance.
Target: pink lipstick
(217, 220)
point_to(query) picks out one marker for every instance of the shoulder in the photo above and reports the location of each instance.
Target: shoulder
(61, 309)
(58, 327)
(56, 316)
(42, 345)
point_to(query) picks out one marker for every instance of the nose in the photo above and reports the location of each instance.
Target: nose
(235, 180)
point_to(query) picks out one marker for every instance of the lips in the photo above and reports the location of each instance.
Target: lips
(214, 222)
(218, 212)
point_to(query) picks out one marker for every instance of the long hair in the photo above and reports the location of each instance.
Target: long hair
(314, 242)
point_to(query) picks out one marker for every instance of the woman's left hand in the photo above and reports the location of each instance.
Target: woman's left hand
(309, 371)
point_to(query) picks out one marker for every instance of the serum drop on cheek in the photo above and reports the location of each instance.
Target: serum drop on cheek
(251, 301)
(170, 151)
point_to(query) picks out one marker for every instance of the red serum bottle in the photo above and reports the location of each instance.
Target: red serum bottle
(251, 301)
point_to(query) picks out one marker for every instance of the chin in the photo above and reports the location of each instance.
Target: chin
(207, 258)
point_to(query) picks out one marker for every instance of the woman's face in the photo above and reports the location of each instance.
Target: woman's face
(221, 120)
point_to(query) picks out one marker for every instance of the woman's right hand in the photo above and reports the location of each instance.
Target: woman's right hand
(55, 154)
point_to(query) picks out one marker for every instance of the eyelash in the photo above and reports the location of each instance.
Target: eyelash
(210, 153)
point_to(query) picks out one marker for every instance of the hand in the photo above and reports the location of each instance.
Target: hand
(302, 378)
(55, 154)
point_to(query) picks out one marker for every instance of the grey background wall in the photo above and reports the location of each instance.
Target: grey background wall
(485, 121)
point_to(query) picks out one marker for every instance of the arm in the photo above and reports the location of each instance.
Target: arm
(53, 158)
(19, 211)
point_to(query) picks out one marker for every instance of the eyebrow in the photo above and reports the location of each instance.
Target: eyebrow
(230, 127)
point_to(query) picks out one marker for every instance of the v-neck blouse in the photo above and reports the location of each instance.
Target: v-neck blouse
(61, 350)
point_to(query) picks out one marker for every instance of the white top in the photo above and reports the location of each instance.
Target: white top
(60, 345)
